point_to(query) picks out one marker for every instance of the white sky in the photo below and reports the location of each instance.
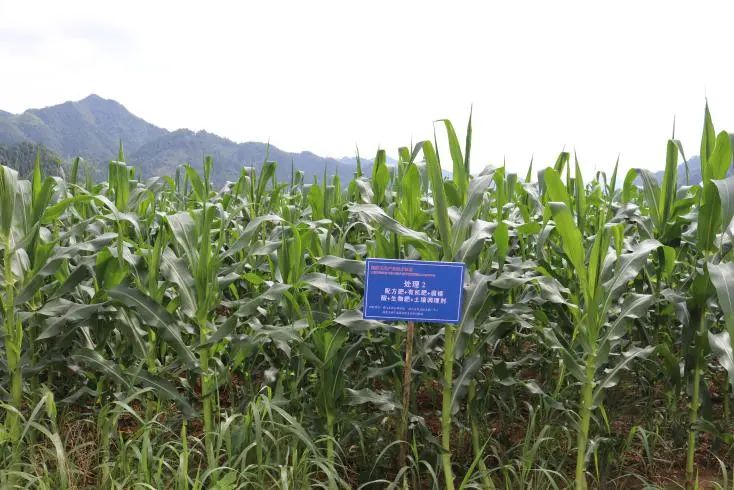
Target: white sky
(326, 76)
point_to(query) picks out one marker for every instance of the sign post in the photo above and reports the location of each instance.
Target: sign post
(412, 290)
(407, 381)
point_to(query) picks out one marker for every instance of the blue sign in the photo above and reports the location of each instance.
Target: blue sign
(413, 290)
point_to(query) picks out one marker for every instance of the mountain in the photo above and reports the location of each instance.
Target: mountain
(162, 155)
(92, 128)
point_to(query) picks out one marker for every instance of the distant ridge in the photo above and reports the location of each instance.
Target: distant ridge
(93, 127)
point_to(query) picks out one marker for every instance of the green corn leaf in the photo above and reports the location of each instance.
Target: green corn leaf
(708, 141)
(475, 294)
(580, 196)
(453, 196)
(354, 320)
(468, 251)
(571, 239)
(174, 269)
(725, 190)
(316, 200)
(380, 177)
(165, 390)
(266, 174)
(34, 280)
(570, 360)
(384, 401)
(154, 315)
(467, 145)
(183, 229)
(440, 207)
(722, 347)
(8, 189)
(720, 158)
(477, 189)
(36, 177)
(709, 218)
(460, 175)
(322, 282)
(626, 269)
(94, 361)
(247, 307)
(669, 188)
(634, 306)
(375, 214)
(460, 385)
(722, 344)
(722, 277)
(596, 258)
(250, 233)
(42, 199)
(74, 171)
(554, 188)
(613, 182)
(652, 194)
(354, 267)
(611, 375)
(628, 187)
(410, 196)
(197, 184)
(561, 162)
(80, 274)
(133, 334)
(63, 312)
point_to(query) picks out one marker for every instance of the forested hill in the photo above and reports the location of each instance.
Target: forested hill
(22, 157)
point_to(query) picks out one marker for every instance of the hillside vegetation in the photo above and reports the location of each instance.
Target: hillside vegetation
(170, 335)
(22, 158)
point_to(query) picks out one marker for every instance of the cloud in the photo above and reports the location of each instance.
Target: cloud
(107, 38)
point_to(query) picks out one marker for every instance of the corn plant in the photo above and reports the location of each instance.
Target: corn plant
(598, 321)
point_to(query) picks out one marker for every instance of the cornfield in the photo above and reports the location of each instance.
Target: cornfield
(167, 334)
